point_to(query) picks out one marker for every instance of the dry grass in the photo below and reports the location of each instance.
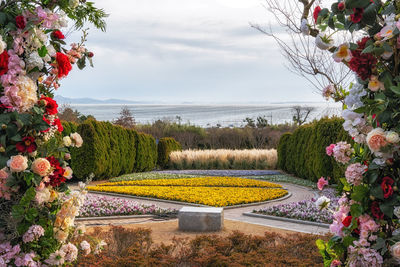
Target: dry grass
(249, 159)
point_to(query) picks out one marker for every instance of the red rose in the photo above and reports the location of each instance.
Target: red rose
(58, 35)
(57, 122)
(376, 211)
(357, 15)
(64, 66)
(341, 6)
(347, 221)
(57, 176)
(21, 22)
(51, 105)
(27, 145)
(386, 186)
(316, 13)
(4, 62)
(90, 54)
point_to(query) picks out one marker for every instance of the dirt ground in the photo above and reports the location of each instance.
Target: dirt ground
(164, 232)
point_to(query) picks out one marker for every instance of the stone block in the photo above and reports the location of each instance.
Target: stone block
(199, 219)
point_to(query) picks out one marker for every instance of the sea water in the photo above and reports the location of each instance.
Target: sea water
(204, 115)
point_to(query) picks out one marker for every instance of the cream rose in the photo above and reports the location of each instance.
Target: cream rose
(18, 163)
(67, 141)
(41, 166)
(395, 250)
(376, 139)
(27, 93)
(77, 139)
(392, 137)
(68, 173)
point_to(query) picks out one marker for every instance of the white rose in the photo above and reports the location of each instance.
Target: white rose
(395, 250)
(73, 3)
(67, 141)
(77, 139)
(34, 60)
(3, 45)
(392, 137)
(322, 203)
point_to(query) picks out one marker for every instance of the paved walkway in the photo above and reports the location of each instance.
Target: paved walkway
(298, 193)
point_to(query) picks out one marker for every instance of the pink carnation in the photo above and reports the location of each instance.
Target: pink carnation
(322, 183)
(329, 149)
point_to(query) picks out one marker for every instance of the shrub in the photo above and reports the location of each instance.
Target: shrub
(165, 146)
(303, 152)
(110, 150)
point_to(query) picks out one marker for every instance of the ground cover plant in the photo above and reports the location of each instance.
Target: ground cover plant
(95, 206)
(212, 191)
(149, 175)
(286, 179)
(248, 159)
(128, 247)
(200, 181)
(306, 210)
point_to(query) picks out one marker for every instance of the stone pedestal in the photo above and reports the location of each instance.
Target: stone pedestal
(199, 219)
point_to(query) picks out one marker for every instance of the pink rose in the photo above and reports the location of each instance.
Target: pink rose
(322, 183)
(18, 163)
(41, 167)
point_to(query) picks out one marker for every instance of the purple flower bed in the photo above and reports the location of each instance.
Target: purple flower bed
(96, 206)
(305, 210)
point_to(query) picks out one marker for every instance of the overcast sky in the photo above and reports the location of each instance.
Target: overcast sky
(186, 51)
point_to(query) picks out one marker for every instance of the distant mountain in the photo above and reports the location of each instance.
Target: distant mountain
(66, 100)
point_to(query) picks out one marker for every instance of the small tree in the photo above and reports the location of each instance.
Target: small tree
(125, 118)
(262, 122)
(250, 122)
(301, 113)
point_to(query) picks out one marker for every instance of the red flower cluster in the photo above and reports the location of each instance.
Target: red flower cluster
(20, 21)
(357, 15)
(4, 62)
(58, 35)
(347, 221)
(51, 105)
(64, 66)
(27, 145)
(376, 211)
(316, 13)
(362, 64)
(341, 6)
(386, 186)
(57, 176)
(56, 122)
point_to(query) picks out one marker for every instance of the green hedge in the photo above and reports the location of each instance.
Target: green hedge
(109, 151)
(303, 153)
(165, 146)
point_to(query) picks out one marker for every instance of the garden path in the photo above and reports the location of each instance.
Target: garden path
(235, 214)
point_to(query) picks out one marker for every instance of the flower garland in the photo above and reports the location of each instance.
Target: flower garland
(367, 222)
(37, 209)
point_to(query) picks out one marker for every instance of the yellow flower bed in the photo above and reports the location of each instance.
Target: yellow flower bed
(211, 196)
(203, 181)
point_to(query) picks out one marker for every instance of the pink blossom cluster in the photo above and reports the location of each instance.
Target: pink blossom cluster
(10, 79)
(337, 226)
(75, 52)
(33, 234)
(44, 17)
(354, 173)
(342, 152)
(362, 256)
(367, 226)
(329, 149)
(5, 191)
(26, 259)
(8, 253)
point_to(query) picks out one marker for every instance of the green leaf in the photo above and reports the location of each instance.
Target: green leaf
(348, 240)
(42, 51)
(372, 177)
(357, 3)
(369, 15)
(18, 212)
(3, 18)
(368, 49)
(356, 210)
(395, 89)
(359, 193)
(31, 214)
(346, 185)
(331, 22)
(387, 209)
(377, 192)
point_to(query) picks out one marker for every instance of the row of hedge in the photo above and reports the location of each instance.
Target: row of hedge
(303, 153)
(109, 150)
(165, 146)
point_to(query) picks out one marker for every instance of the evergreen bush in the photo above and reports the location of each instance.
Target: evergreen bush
(165, 146)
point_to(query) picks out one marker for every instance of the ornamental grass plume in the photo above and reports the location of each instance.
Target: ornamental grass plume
(224, 159)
